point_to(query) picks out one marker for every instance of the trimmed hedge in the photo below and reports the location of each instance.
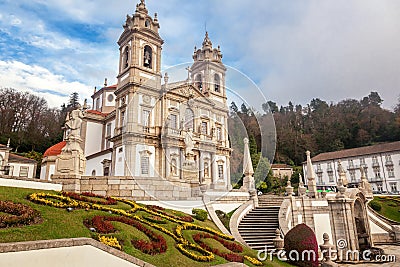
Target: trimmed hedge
(298, 242)
(200, 214)
(375, 205)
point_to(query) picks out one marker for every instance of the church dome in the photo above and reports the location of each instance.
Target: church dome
(55, 150)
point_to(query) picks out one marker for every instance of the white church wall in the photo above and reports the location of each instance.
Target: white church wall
(94, 164)
(93, 138)
(29, 184)
(16, 167)
(52, 170)
(43, 170)
(322, 225)
(108, 102)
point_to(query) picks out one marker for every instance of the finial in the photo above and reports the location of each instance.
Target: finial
(246, 140)
(155, 16)
(166, 77)
(95, 89)
(195, 48)
(8, 142)
(105, 82)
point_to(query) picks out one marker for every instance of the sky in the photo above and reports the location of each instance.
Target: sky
(293, 50)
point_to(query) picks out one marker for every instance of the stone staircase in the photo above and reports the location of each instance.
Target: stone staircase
(258, 227)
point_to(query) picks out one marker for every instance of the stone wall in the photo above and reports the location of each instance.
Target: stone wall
(29, 183)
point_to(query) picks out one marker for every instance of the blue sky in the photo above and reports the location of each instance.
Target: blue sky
(293, 50)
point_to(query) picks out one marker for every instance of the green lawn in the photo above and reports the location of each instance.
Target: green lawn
(58, 223)
(390, 207)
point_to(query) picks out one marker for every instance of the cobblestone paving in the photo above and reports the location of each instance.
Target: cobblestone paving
(389, 250)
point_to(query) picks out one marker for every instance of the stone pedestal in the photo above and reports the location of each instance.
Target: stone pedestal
(248, 183)
(190, 170)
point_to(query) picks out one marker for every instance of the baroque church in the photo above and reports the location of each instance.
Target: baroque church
(146, 127)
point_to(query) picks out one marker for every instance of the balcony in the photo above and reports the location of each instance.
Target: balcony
(319, 170)
(353, 167)
(375, 164)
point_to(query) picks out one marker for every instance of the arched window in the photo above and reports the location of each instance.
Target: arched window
(199, 83)
(148, 55)
(189, 117)
(206, 169)
(94, 173)
(216, 83)
(147, 23)
(125, 57)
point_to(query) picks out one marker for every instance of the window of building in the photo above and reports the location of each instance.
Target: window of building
(330, 175)
(1, 161)
(362, 161)
(144, 164)
(351, 165)
(319, 175)
(106, 171)
(352, 175)
(388, 158)
(147, 23)
(216, 83)
(198, 82)
(379, 186)
(145, 118)
(189, 118)
(93, 172)
(204, 127)
(221, 171)
(148, 54)
(23, 171)
(173, 121)
(393, 187)
(108, 129)
(374, 159)
(377, 172)
(98, 103)
(390, 170)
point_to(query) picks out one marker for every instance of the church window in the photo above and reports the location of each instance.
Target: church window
(216, 83)
(98, 103)
(173, 121)
(393, 187)
(147, 23)
(330, 175)
(380, 187)
(94, 173)
(144, 164)
(221, 171)
(148, 55)
(189, 118)
(204, 127)
(390, 170)
(125, 57)
(108, 129)
(23, 171)
(199, 83)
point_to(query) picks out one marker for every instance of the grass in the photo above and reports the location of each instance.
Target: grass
(390, 207)
(58, 223)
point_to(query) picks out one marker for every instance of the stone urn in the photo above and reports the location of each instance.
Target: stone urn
(278, 241)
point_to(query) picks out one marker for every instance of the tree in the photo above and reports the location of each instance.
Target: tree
(234, 108)
(73, 101)
(244, 109)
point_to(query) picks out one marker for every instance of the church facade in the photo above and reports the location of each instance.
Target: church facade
(146, 127)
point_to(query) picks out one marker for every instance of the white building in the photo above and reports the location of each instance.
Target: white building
(138, 126)
(381, 164)
(13, 165)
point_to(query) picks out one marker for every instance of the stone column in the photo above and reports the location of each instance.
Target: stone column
(312, 186)
(248, 179)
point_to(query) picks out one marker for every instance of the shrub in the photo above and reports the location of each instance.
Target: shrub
(375, 205)
(300, 239)
(224, 218)
(200, 214)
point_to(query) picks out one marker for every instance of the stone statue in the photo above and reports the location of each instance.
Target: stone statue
(189, 143)
(74, 122)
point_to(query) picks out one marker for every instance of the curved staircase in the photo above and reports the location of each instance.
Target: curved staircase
(257, 227)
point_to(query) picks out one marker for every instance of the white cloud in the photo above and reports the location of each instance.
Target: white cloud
(36, 79)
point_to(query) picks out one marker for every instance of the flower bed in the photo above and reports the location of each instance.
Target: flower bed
(155, 219)
(110, 241)
(156, 245)
(17, 214)
(85, 197)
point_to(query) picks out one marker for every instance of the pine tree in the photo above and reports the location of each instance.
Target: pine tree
(73, 101)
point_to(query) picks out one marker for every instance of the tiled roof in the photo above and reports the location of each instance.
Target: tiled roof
(280, 166)
(55, 150)
(97, 112)
(20, 159)
(359, 151)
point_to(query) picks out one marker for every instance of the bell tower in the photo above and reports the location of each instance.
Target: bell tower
(140, 48)
(208, 71)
